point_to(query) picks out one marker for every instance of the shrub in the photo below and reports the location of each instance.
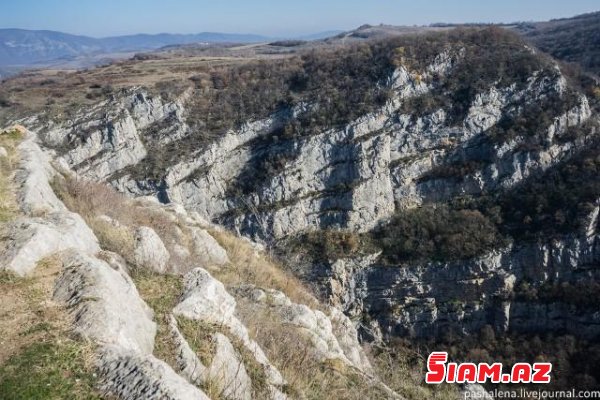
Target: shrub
(436, 233)
(550, 204)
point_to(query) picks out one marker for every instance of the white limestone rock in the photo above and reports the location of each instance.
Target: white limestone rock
(227, 370)
(347, 336)
(105, 303)
(3, 152)
(132, 376)
(32, 239)
(35, 195)
(206, 299)
(332, 337)
(149, 250)
(207, 249)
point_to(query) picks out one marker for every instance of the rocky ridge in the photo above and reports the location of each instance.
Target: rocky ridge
(355, 177)
(96, 288)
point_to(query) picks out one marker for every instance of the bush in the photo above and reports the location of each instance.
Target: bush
(329, 244)
(551, 204)
(436, 233)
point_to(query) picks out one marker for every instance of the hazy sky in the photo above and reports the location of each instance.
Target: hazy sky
(268, 17)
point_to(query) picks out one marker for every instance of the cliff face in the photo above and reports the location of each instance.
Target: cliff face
(162, 326)
(269, 186)
(431, 299)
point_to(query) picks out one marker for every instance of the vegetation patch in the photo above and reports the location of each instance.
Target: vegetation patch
(574, 360)
(39, 358)
(436, 232)
(248, 266)
(48, 370)
(161, 293)
(199, 336)
(329, 244)
(551, 204)
(401, 365)
(8, 141)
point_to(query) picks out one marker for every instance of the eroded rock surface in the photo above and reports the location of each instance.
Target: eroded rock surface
(149, 250)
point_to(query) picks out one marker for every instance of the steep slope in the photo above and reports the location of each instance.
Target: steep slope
(570, 39)
(311, 163)
(430, 186)
(119, 320)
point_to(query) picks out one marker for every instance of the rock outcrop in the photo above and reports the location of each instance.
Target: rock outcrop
(137, 376)
(33, 239)
(351, 177)
(206, 248)
(429, 299)
(46, 227)
(333, 336)
(105, 304)
(149, 250)
(205, 299)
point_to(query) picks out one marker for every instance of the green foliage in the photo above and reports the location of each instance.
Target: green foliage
(492, 57)
(551, 204)
(436, 233)
(47, 371)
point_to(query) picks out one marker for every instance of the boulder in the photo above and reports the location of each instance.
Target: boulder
(207, 249)
(3, 152)
(227, 370)
(33, 179)
(129, 375)
(32, 239)
(149, 250)
(206, 299)
(105, 304)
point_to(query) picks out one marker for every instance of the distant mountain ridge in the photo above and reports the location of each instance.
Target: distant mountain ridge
(20, 47)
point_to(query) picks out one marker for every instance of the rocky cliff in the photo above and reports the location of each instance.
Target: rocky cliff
(442, 139)
(191, 340)
(270, 186)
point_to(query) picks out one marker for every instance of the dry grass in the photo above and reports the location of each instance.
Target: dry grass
(248, 267)
(403, 370)
(92, 200)
(8, 206)
(287, 349)
(161, 293)
(62, 93)
(38, 356)
(293, 354)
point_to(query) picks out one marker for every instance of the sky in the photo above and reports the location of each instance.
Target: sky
(267, 17)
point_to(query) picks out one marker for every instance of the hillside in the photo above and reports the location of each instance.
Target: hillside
(317, 213)
(575, 40)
